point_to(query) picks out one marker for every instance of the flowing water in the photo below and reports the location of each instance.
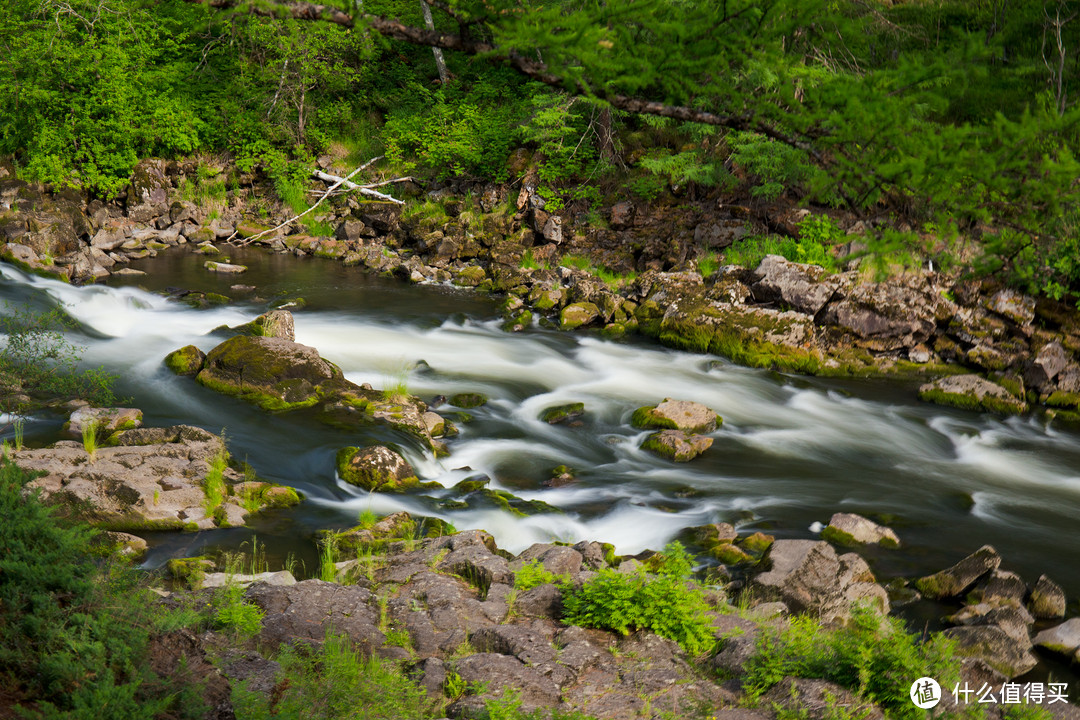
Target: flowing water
(791, 451)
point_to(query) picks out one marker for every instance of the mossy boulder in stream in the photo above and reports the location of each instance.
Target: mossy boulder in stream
(276, 323)
(972, 392)
(676, 445)
(188, 360)
(273, 373)
(474, 494)
(377, 469)
(562, 413)
(685, 415)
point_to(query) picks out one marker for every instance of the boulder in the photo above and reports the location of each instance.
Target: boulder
(955, 580)
(684, 415)
(1012, 305)
(1047, 599)
(435, 424)
(791, 284)
(1063, 638)
(1000, 588)
(578, 314)
(219, 579)
(220, 267)
(273, 373)
(307, 610)
(852, 529)
(1047, 365)
(276, 324)
(808, 576)
(105, 420)
(188, 360)
(676, 445)
(899, 313)
(995, 647)
(972, 392)
(376, 468)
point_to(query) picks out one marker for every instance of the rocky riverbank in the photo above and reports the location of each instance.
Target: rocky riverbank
(1012, 353)
(471, 623)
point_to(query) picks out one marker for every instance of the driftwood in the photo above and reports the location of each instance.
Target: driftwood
(340, 181)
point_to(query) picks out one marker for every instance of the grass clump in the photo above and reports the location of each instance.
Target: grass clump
(708, 264)
(817, 236)
(89, 439)
(214, 488)
(335, 681)
(534, 573)
(664, 602)
(874, 656)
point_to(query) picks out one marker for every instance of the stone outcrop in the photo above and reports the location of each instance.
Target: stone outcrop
(972, 392)
(150, 479)
(808, 576)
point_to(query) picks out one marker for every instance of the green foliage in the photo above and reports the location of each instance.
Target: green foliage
(528, 262)
(874, 657)
(334, 681)
(708, 264)
(533, 573)
(89, 439)
(328, 555)
(214, 488)
(752, 250)
(235, 614)
(76, 631)
(45, 362)
(666, 603)
(773, 167)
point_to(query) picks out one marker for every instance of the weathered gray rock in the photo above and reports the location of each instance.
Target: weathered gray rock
(995, 647)
(676, 445)
(556, 559)
(972, 392)
(220, 579)
(220, 267)
(889, 316)
(1046, 365)
(685, 415)
(852, 529)
(818, 699)
(1012, 305)
(578, 314)
(152, 479)
(808, 576)
(274, 324)
(1000, 587)
(304, 612)
(792, 284)
(1063, 638)
(105, 420)
(1047, 599)
(953, 581)
(435, 423)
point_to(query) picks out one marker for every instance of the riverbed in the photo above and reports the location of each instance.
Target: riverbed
(791, 451)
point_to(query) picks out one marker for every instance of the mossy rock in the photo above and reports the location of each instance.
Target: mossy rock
(646, 418)
(217, 299)
(676, 445)
(757, 543)
(562, 413)
(190, 570)
(188, 360)
(730, 554)
(273, 373)
(378, 469)
(577, 315)
(474, 494)
(468, 400)
(470, 276)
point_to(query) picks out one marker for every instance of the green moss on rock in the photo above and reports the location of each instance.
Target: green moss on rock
(468, 400)
(561, 413)
(188, 360)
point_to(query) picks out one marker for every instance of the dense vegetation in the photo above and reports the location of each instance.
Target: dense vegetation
(955, 119)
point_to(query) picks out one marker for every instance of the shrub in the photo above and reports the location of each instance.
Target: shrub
(533, 573)
(773, 167)
(235, 614)
(874, 656)
(665, 603)
(75, 629)
(334, 681)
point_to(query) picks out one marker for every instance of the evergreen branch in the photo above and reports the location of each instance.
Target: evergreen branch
(533, 69)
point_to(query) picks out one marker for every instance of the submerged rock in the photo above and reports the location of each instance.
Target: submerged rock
(220, 267)
(562, 413)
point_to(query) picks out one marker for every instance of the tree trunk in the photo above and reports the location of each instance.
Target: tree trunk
(439, 61)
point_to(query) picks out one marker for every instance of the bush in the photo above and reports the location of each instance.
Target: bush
(665, 603)
(74, 631)
(874, 656)
(334, 681)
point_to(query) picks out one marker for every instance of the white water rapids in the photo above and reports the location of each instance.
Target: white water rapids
(791, 450)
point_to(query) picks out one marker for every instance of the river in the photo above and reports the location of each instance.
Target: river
(792, 450)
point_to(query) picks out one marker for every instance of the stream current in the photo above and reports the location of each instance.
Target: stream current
(791, 451)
